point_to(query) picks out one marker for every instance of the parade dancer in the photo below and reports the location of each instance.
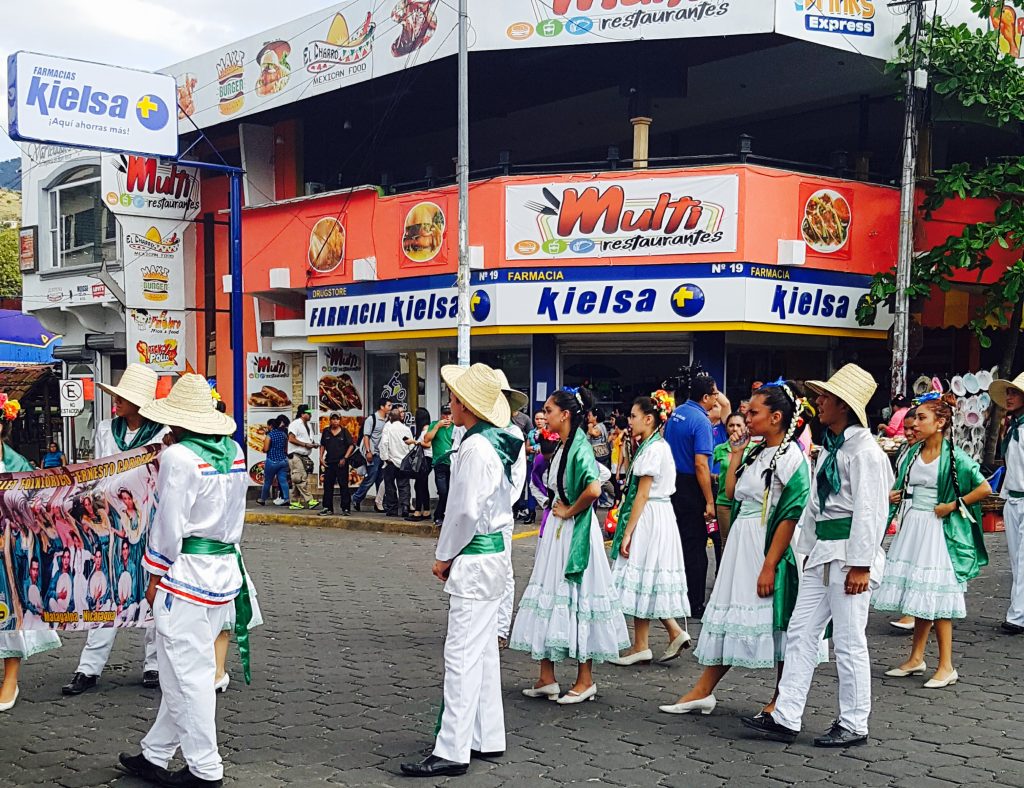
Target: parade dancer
(196, 575)
(1009, 394)
(940, 545)
(472, 560)
(127, 430)
(841, 533)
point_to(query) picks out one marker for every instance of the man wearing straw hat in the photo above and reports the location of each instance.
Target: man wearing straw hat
(1009, 394)
(843, 544)
(196, 573)
(473, 562)
(127, 430)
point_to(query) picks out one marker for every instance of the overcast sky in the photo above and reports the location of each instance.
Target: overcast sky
(144, 34)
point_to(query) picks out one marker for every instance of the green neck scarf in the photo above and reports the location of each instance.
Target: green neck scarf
(828, 469)
(1012, 433)
(218, 450)
(580, 470)
(14, 462)
(626, 507)
(147, 432)
(508, 446)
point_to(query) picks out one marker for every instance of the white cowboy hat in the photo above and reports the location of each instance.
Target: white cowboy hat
(517, 400)
(984, 401)
(190, 405)
(971, 383)
(998, 389)
(956, 385)
(137, 385)
(984, 379)
(973, 419)
(852, 385)
(479, 389)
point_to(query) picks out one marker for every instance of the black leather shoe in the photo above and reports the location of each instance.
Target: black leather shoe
(151, 679)
(355, 505)
(140, 767)
(486, 755)
(78, 684)
(183, 778)
(766, 724)
(1013, 629)
(432, 766)
(838, 736)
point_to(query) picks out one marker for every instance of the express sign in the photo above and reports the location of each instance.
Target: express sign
(90, 105)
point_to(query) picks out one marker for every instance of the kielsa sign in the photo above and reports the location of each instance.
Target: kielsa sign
(90, 105)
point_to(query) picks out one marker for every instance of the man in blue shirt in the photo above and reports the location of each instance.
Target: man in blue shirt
(691, 439)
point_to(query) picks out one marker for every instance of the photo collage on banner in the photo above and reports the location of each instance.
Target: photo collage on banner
(342, 390)
(268, 396)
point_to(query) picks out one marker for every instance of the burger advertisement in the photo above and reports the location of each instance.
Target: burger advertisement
(274, 68)
(423, 234)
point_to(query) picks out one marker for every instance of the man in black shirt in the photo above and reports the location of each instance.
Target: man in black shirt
(336, 446)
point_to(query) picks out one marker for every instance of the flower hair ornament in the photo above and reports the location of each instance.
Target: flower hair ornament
(11, 407)
(575, 391)
(664, 403)
(549, 435)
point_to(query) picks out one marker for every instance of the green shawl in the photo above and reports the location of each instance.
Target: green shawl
(508, 446)
(14, 462)
(790, 506)
(632, 485)
(218, 450)
(580, 471)
(145, 435)
(965, 540)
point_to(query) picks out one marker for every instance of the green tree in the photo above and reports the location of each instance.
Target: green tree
(10, 275)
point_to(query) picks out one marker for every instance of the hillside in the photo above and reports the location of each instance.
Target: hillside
(10, 177)
(10, 206)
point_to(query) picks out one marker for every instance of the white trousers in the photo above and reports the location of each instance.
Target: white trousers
(815, 605)
(505, 608)
(185, 633)
(1013, 521)
(473, 717)
(99, 643)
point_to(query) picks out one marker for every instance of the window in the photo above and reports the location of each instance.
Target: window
(82, 230)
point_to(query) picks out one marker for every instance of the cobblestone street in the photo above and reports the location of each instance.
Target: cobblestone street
(347, 673)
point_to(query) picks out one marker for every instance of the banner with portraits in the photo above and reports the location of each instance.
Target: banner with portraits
(72, 542)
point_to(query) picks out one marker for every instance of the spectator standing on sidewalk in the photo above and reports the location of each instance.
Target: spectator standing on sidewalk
(336, 447)
(275, 446)
(439, 439)
(369, 442)
(395, 442)
(300, 463)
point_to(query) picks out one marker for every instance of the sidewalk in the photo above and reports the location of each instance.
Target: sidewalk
(357, 521)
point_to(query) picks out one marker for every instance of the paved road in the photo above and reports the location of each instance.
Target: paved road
(348, 679)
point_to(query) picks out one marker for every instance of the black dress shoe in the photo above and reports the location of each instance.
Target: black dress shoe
(355, 505)
(140, 767)
(346, 512)
(151, 679)
(78, 684)
(838, 736)
(766, 724)
(1013, 629)
(486, 755)
(432, 766)
(530, 519)
(183, 778)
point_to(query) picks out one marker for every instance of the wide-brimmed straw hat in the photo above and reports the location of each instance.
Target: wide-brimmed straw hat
(997, 389)
(852, 385)
(517, 400)
(137, 385)
(191, 406)
(479, 389)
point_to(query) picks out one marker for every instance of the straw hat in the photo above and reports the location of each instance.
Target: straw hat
(998, 389)
(137, 385)
(479, 389)
(191, 406)
(852, 385)
(517, 400)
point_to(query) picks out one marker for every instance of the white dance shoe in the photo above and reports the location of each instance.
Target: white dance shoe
(703, 705)
(639, 658)
(897, 624)
(549, 691)
(898, 673)
(222, 683)
(578, 697)
(677, 645)
(951, 679)
(10, 705)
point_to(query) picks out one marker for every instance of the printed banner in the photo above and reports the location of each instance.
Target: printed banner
(73, 540)
(157, 338)
(862, 26)
(268, 396)
(621, 218)
(341, 389)
(144, 186)
(154, 262)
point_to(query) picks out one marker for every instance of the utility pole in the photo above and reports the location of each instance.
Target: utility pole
(462, 176)
(908, 181)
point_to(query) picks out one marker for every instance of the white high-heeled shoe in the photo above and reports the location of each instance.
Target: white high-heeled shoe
(677, 645)
(898, 673)
(639, 657)
(951, 679)
(572, 697)
(222, 683)
(703, 705)
(550, 691)
(10, 705)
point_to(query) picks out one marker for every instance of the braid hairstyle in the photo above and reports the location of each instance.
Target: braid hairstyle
(942, 408)
(783, 397)
(578, 401)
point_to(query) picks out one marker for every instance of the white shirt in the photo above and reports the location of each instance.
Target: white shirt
(104, 444)
(300, 429)
(195, 500)
(393, 447)
(1014, 478)
(519, 467)
(479, 502)
(656, 461)
(865, 477)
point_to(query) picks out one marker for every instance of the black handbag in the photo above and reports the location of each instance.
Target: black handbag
(414, 463)
(356, 460)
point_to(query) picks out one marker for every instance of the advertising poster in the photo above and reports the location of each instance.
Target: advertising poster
(868, 28)
(624, 218)
(157, 339)
(154, 262)
(424, 233)
(72, 543)
(144, 186)
(28, 249)
(268, 395)
(342, 386)
(826, 220)
(326, 251)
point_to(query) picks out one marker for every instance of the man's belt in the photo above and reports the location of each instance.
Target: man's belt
(833, 530)
(485, 544)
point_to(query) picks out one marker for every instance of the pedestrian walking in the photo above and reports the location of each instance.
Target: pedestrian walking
(336, 448)
(369, 443)
(940, 545)
(421, 481)
(196, 573)
(472, 561)
(1009, 394)
(300, 462)
(129, 429)
(841, 535)
(439, 439)
(570, 608)
(275, 447)
(756, 587)
(395, 442)
(647, 559)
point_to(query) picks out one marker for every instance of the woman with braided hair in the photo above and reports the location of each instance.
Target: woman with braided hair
(940, 545)
(769, 483)
(570, 608)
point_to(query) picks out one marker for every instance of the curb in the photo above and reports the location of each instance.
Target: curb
(366, 524)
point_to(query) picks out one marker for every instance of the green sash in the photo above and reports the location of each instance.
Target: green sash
(965, 540)
(626, 507)
(14, 462)
(218, 450)
(197, 545)
(1015, 493)
(146, 434)
(507, 446)
(834, 530)
(580, 472)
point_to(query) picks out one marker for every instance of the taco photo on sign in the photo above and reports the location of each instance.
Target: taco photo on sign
(424, 232)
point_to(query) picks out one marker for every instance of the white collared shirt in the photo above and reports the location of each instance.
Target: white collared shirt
(1014, 479)
(104, 444)
(393, 447)
(865, 481)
